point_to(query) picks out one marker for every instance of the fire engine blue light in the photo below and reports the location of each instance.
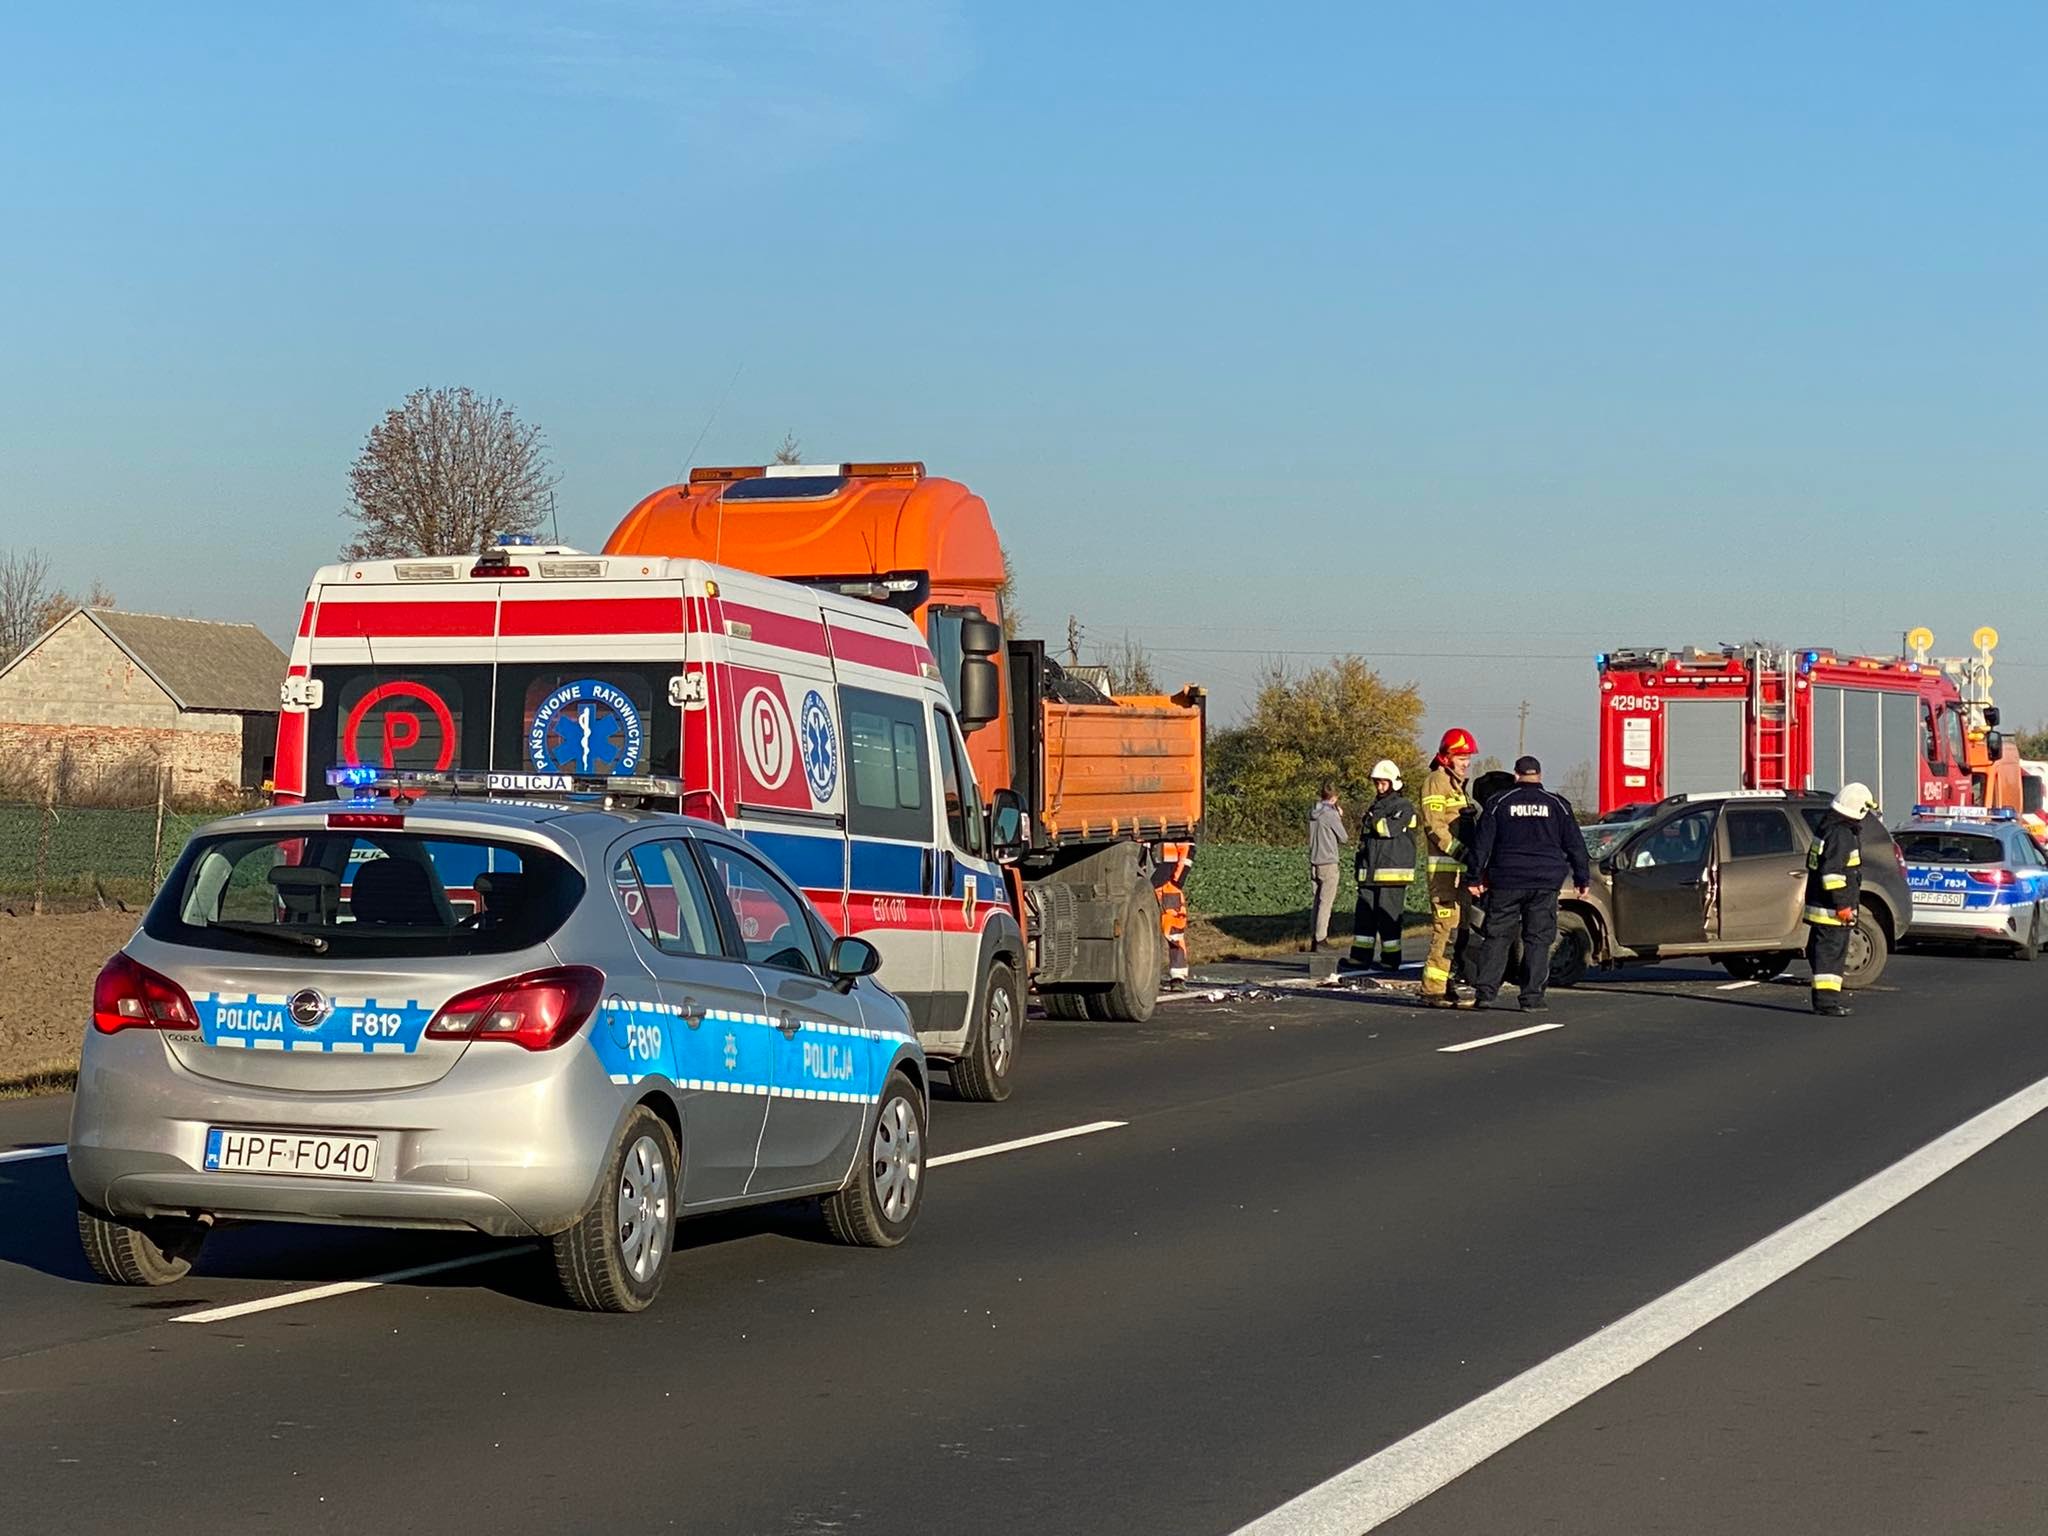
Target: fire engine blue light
(1600, 661)
(1812, 657)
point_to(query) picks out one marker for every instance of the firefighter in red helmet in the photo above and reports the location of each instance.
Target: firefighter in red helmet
(1447, 817)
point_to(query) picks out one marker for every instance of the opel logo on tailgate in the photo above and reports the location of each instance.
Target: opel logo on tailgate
(307, 1008)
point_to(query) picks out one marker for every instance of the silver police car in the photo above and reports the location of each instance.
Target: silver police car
(561, 1017)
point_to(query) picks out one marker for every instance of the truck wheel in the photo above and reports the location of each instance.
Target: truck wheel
(880, 1202)
(154, 1253)
(983, 1074)
(1868, 951)
(1571, 956)
(1758, 967)
(1069, 1006)
(1140, 959)
(614, 1258)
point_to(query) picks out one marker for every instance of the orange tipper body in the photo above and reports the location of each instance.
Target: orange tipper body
(1089, 773)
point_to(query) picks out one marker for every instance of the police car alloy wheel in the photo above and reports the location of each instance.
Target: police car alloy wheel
(880, 1202)
(614, 1258)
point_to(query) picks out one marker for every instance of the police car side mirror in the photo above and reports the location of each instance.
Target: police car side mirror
(852, 959)
(1006, 822)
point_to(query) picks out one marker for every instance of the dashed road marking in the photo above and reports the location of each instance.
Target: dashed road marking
(25, 1153)
(1022, 1142)
(1513, 1034)
(341, 1288)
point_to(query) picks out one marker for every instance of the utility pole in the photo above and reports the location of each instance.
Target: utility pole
(1073, 641)
(1522, 729)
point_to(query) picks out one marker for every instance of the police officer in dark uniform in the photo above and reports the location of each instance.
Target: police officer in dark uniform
(1528, 842)
(1834, 887)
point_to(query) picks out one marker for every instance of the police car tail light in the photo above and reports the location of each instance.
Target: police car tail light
(1997, 877)
(129, 995)
(540, 1010)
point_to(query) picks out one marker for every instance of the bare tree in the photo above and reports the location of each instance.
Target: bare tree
(1129, 666)
(444, 473)
(1578, 787)
(791, 451)
(1006, 595)
(25, 596)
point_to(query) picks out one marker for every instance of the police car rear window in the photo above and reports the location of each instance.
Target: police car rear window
(366, 895)
(1950, 848)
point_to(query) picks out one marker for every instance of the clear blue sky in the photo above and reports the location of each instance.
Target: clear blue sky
(1518, 330)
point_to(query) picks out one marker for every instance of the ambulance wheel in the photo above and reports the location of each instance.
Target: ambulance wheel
(154, 1253)
(1868, 951)
(879, 1204)
(614, 1258)
(1571, 955)
(1140, 962)
(1071, 1007)
(1758, 967)
(983, 1074)
(2031, 949)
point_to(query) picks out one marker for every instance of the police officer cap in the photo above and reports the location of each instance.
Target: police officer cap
(1528, 765)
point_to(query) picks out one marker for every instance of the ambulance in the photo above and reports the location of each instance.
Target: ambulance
(816, 725)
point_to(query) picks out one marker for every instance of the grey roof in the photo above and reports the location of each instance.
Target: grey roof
(200, 663)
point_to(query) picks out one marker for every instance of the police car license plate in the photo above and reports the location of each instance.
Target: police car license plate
(1937, 898)
(292, 1152)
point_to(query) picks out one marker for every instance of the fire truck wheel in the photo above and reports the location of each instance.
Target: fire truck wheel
(1758, 967)
(2031, 949)
(1571, 956)
(1868, 951)
(1140, 960)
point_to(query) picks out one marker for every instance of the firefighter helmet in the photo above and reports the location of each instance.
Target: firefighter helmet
(1456, 743)
(1385, 769)
(1855, 802)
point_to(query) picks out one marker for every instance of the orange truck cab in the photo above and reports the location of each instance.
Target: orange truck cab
(1095, 785)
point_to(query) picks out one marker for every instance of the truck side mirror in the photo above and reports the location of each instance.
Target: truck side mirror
(980, 637)
(1006, 822)
(981, 692)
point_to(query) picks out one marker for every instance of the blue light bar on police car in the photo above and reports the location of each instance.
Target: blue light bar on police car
(1965, 813)
(370, 780)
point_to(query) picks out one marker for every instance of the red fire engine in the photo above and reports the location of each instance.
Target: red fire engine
(1917, 731)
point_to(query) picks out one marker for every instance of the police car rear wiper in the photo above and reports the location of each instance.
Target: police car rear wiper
(291, 938)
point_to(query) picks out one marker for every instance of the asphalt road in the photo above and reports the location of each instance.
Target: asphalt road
(1316, 1233)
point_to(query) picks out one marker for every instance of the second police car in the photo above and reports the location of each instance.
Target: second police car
(1977, 876)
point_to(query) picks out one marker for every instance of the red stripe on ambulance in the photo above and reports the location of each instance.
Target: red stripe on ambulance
(590, 616)
(377, 621)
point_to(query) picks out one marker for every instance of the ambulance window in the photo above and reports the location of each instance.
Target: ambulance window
(963, 806)
(889, 778)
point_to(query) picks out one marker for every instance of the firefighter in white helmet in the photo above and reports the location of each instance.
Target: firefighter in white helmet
(1386, 868)
(1834, 890)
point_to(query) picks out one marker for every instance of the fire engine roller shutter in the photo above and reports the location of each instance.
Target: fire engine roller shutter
(1702, 745)
(1867, 734)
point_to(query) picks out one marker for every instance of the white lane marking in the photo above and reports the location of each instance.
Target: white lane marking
(350, 1287)
(1024, 1141)
(26, 1153)
(1734, 986)
(1513, 1034)
(1373, 1491)
(341, 1288)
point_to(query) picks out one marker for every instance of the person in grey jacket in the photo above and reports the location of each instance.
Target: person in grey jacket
(1326, 839)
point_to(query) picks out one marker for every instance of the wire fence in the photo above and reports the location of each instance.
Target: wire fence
(67, 848)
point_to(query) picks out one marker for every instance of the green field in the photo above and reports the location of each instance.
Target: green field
(1264, 880)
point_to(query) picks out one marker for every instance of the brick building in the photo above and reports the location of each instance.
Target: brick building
(107, 696)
